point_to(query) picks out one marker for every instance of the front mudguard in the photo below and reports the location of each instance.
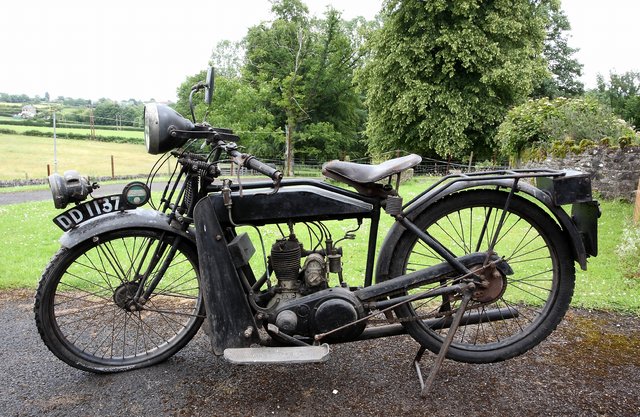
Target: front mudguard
(228, 310)
(138, 218)
(578, 230)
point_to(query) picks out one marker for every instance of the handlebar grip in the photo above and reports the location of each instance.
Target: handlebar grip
(256, 165)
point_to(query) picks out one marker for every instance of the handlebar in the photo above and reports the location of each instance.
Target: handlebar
(250, 161)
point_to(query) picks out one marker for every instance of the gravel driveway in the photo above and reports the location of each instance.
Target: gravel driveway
(589, 367)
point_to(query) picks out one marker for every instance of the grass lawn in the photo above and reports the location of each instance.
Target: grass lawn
(31, 240)
(26, 157)
(62, 131)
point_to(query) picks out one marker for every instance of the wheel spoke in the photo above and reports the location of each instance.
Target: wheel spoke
(87, 293)
(527, 239)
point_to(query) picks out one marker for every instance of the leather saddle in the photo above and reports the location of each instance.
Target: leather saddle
(364, 178)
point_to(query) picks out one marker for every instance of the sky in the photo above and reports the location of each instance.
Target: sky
(144, 49)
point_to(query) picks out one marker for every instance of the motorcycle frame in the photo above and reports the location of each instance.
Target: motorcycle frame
(227, 292)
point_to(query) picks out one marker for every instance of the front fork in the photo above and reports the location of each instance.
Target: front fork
(143, 294)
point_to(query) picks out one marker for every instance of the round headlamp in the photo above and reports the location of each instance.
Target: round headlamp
(159, 122)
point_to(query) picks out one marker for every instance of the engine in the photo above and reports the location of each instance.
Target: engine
(302, 302)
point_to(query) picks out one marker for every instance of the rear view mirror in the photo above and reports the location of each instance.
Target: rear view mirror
(209, 86)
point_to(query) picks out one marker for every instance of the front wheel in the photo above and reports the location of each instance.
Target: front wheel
(86, 308)
(515, 311)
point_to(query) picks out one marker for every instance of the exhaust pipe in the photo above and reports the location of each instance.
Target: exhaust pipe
(496, 314)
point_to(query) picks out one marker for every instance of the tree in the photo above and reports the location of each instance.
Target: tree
(334, 105)
(304, 68)
(442, 74)
(564, 71)
(228, 58)
(621, 93)
(236, 105)
(276, 55)
(110, 113)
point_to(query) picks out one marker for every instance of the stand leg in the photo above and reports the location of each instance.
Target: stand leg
(426, 387)
(416, 364)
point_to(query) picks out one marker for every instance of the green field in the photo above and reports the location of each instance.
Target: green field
(32, 241)
(62, 131)
(26, 157)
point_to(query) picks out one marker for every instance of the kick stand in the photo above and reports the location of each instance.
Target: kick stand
(426, 387)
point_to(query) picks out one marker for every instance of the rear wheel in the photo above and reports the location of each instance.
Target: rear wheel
(513, 313)
(86, 308)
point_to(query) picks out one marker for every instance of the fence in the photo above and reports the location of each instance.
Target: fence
(428, 167)
(306, 168)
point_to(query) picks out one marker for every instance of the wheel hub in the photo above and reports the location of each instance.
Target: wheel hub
(492, 284)
(124, 295)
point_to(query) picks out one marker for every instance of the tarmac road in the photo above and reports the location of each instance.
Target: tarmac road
(42, 195)
(589, 367)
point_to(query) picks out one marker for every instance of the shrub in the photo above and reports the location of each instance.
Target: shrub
(543, 122)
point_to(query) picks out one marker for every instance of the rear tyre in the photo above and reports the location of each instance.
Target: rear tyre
(85, 309)
(538, 293)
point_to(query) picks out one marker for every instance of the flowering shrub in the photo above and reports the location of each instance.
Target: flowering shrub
(579, 121)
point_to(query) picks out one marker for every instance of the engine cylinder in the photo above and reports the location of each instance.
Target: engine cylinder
(285, 259)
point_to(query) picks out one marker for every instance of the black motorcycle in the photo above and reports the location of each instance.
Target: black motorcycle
(477, 268)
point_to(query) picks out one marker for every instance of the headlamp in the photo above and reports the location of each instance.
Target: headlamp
(70, 187)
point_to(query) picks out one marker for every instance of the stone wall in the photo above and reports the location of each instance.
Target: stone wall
(614, 172)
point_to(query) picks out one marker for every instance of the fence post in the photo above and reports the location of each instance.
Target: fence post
(48, 170)
(636, 210)
(113, 172)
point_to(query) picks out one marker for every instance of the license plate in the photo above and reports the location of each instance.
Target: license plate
(87, 211)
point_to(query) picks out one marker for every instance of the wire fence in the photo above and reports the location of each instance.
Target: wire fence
(310, 168)
(301, 168)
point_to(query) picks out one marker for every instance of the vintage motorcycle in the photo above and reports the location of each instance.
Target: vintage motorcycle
(477, 268)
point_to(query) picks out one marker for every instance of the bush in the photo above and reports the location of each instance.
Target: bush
(543, 123)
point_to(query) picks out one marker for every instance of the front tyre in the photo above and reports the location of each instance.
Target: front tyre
(85, 309)
(515, 312)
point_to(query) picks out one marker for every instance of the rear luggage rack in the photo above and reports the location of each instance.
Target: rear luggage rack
(563, 186)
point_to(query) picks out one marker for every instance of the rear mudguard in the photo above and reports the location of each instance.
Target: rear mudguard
(418, 205)
(138, 218)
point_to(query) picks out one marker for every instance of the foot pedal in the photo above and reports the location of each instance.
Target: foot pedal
(271, 355)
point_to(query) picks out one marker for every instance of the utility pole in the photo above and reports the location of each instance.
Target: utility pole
(55, 145)
(92, 123)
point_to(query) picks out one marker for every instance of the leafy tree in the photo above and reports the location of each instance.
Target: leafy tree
(276, 58)
(228, 58)
(236, 105)
(304, 68)
(564, 71)
(334, 106)
(621, 93)
(442, 74)
(15, 98)
(105, 112)
(111, 113)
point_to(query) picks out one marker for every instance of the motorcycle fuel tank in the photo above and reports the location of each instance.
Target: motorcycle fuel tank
(292, 203)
